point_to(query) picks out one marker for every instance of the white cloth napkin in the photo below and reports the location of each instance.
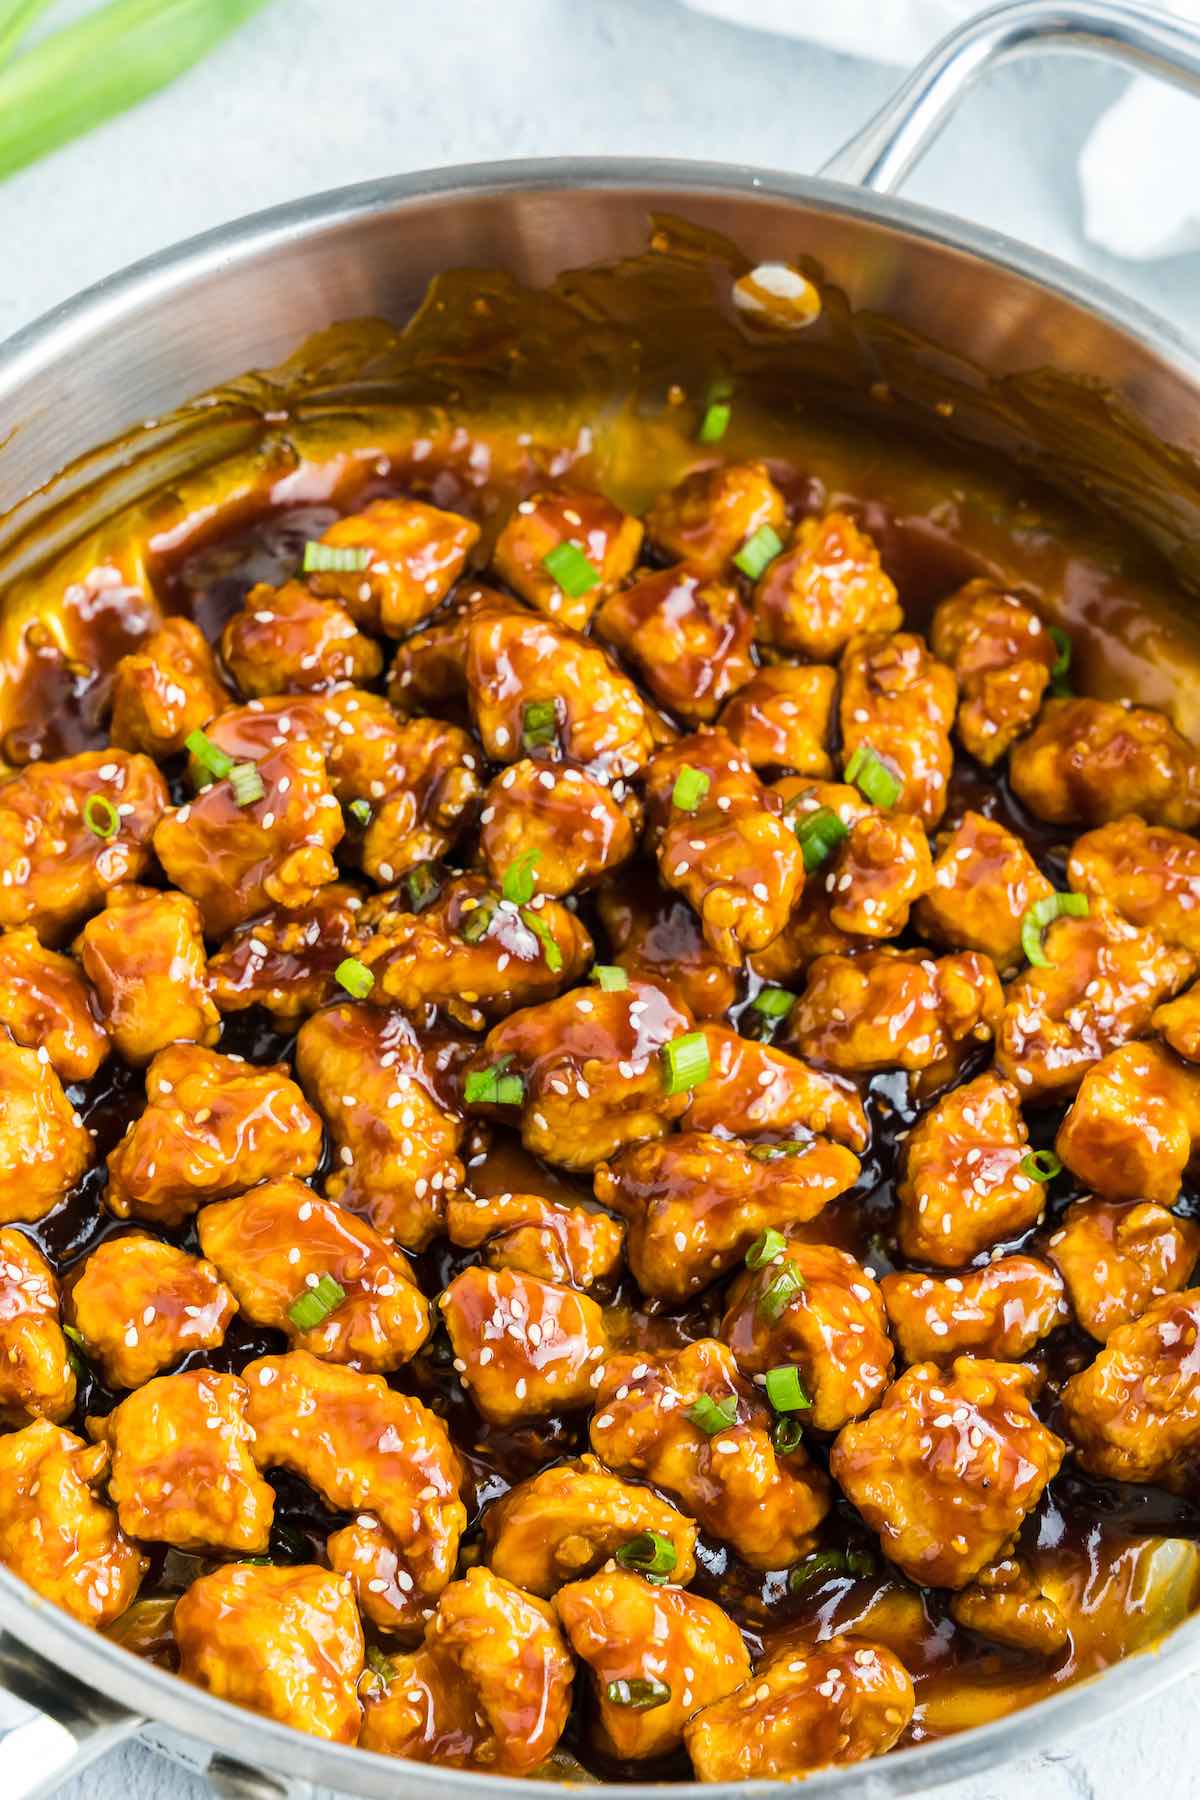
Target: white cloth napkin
(1136, 170)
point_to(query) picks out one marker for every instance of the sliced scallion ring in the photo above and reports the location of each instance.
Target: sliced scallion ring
(787, 1434)
(774, 1300)
(691, 785)
(641, 1693)
(101, 816)
(314, 1305)
(545, 937)
(354, 977)
(685, 1062)
(473, 926)
(246, 783)
(871, 775)
(1041, 1165)
(494, 1086)
(759, 549)
(574, 574)
(360, 812)
(539, 724)
(517, 884)
(712, 1415)
(773, 1002)
(650, 1553)
(611, 977)
(766, 1247)
(1043, 913)
(333, 559)
(785, 1390)
(820, 833)
(212, 759)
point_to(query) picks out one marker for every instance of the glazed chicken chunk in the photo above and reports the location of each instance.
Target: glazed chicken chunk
(1005, 1603)
(139, 1305)
(1117, 1258)
(886, 1009)
(1132, 1126)
(948, 1466)
(781, 718)
(1089, 761)
(285, 960)
(45, 1005)
(966, 1182)
(752, 1087)
(287, 640)
(574, 1245)
(144, 956)
(710, 765)
(165, 690)
(897, 706)
(656, 938)
(1149, 874)
(36, 1378)
(827, 588)
(429, 671)
(523, 1347)
(1134, 1414)
(1001, 1311)
(687, 635)
(565, 551)
(44, 1146)
(984, 882)
(561, 821)
(707, 517)
(410, 555)
(1178, 1023)
(1002, 656)
(875, 875)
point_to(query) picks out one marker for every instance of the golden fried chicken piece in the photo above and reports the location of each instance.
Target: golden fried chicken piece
(1178, 1022)
(377, 1568)
(695, 1202)
(285, 1642)
(430, 668)
(1005, 1603)
(395, 1139)
(1132, 1127)
(874, 877)
(711, 764)
(566, 1520)
(1089, 761)
(984, 882)
(144, 956)
(1134, 1414)
(825, 590)
(593, 528)
(569, 823)
(182, 1472)
(765, 1504)
(739, 865)
(886, 1009)
(536, 1236)
(1148, 873)
(415, 555)
(948, 1466)
(213, 1126)
(1100, 987)
(1002, 656)
(687, 635)
(656, 938)
(45, 1004)
(964, 1187)
(165, 690)
(898, 701)
(44, 1146)
(36, 1379)
(707, 517)
(71, 830)
(285, 959)
(738, 1097)
(489, 1689)
(805, 1707)
(656, 1655)
(523, 1347)
(140, 1304)
(54, 1531)
(781, 718)
(1000, 1311)
(288, 640)
(281, 1242)
(1117, 1258)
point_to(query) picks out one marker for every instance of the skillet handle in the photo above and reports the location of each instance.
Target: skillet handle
(51, 1726)
(880, 156)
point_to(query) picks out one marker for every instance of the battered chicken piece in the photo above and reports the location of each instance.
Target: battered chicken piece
(984, 882)
(144, 956)
(536, 1236)
(1134, 1414)
(1002, 1310)
(1089, 761)
(695, 1203)
(286, 1642)
(54, 1531)
(737, 1097)
(710, 763)
(490, 1688)
(885, 1009)
(140, 1304)
(384, 1590)
(1002, 656)
(288, 640)
(825, 590)
(656, 938)
(1179, 1024)
(44, 1146)
(963, 1187)
(285, 960)
(807, 1706)
(948, 1466)
(781, 718)
(706, 518)
(874, 877)
(36, 1379)
(569, 823)
(1149, 873)
(1100, 988)
(1133, 1125)
(688, 636)
(566, 1520)
(182, 1472)
(71, 830)
(433, 791)
(165, 690)
(656, 1655)
(237, 860)
(765, 1504)
(740, 866)
(1005, 1603)
(1118, 1258)
(607, 539)
(395, 1139)
(430, 668)
(213, 1126)
(281, 1242)
(45, 1004)
(415, 555)
(813, 1307)
(523, 1347)
(899, 701)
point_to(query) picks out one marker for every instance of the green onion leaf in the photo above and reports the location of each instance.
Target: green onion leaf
(1041, 1165)
(518, 884)
(685, 1062)
(334, 559)
(545, 937)
(773, 1152)
(787, 1434)
(473, 925)
(355, 977)
(76, 1352)
(642, 1695)
(314, 1305)
(775, 1300)
(766, 1247)
(611, 977)
(423, 887)
(539, 724)
(715, 422)
(574, 574)
(773, 1002)
(1043, 913)
(360, 812)
(381, 1666)
(760, 548)
(820, 833)
(785, 1390)
(1062, 643)
(823, 1563)
(649, 1553)
(16, 18)
(101, 816)
(247, 783)
(75, 1336)
(212, 759)
(691, 785)
(494, 1086)
(875, 781)
(713, 1415)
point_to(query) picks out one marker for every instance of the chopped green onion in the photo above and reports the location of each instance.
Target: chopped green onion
(691, 785)
(247, 783)
(820, 833)
(787, 1434)
(334, 559)
(360, 812)
(766, 1247)
(574, 574)
(611, 977)
(355, 977)
(381, 1666)
(423, 887)
(715, 422)
(773, 1002)
(314, 1305)
(642, 1695)
(518, 883)
(760, 548)
(1062, 643)
(209, 755)
(76, 1352)
(875, 781)
(494, 1086)
(545, 937)
(1043, 913)
(474, 925)
(649, 1552)
(823, 1563)
(713, 1415)
(773, 1152)
(101, 816)
(785, 1390)
(539, 724)
(255, 1562)
(1041, 1165)
(75, 1336)
(775, 1300)
(685, 1062)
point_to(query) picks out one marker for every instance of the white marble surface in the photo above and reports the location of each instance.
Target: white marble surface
(319, 92)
